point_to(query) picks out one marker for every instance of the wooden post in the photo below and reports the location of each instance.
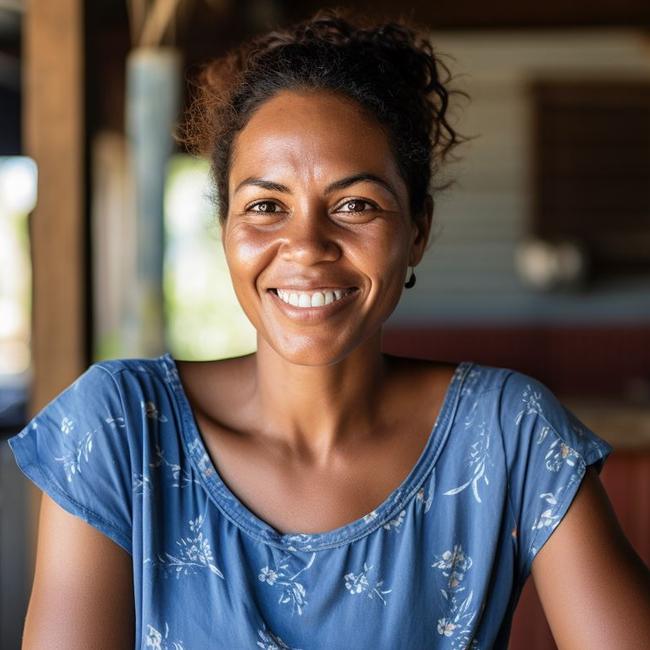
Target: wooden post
(53, 136)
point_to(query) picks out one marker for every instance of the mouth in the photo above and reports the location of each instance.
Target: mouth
(314, 306)
(314, 299)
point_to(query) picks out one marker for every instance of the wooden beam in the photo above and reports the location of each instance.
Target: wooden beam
(53, 132)
(471, 14)
(54, 137)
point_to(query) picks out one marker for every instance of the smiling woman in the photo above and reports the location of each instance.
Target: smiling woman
(324, 211)
(319, 493)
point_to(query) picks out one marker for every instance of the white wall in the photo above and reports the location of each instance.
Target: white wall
(468, 274)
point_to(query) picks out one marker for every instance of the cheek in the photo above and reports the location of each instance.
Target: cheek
(382, 254)
(246, 254)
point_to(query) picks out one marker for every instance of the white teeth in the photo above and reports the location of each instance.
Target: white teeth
(310, 299)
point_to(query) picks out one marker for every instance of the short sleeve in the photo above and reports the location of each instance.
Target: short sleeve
(547, 452)
(76, 450)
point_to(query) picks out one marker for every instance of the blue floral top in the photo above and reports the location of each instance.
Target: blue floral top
(439, 564)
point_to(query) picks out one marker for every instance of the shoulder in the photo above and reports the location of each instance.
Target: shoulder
(84, 446)
(517, 399)
(136, 369)
(536, 432)
(530, 413)
(503, 386)
(107, 377)
(100, 414)
(139, 383)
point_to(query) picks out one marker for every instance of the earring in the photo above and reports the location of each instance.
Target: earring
(411, 281)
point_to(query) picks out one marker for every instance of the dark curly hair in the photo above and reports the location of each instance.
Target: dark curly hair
(389, 69)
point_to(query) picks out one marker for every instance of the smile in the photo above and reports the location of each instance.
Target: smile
(311, 307)
(308, 299)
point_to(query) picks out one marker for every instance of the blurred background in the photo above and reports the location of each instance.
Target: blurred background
(540, 261)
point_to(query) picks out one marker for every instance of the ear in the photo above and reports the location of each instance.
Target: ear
(421, 227)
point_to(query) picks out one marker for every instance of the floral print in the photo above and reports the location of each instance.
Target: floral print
(157, 641)
(425, 499)
(140, 483)
(396, 522)
(453, 565)
(559, 458)
(359, 584)
(503, 464)
(283, 578)
(194, 554)
(532, 404)
(550, 516)
(558, 453)
(269, 641)
(178, 477)
(73, 455)
(77, 450)
(477, 462)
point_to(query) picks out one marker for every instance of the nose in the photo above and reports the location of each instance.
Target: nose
(308, 239)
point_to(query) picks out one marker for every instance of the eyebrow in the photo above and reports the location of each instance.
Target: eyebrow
(341, 184)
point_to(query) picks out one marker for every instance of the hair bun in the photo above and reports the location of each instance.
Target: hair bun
(389, 68)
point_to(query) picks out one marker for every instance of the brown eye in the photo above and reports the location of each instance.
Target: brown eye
(355, 205)
(267, 207)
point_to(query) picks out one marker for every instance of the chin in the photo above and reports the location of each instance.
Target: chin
(304, 350)
(311, 354)
(307, 350)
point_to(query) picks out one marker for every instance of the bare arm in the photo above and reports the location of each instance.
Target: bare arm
(82, 595)
(594, 588)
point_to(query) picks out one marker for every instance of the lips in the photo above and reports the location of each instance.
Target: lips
(311, 287)
(313, 304)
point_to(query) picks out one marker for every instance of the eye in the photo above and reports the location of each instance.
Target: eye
(355, 205)
(264, 207)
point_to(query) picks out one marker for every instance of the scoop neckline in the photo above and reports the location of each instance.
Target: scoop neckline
(240, 515)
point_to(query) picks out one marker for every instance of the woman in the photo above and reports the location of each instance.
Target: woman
(319, 493)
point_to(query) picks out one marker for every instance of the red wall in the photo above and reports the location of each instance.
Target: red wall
(583, 361)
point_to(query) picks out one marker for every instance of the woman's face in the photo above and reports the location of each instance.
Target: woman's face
(318, 216)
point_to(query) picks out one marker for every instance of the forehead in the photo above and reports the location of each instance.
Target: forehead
(311, 135)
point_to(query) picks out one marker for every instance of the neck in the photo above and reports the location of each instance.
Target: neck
(316, 410)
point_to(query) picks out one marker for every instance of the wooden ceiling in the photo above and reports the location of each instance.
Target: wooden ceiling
(438, 14)
(466, 14)
(205, 29)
